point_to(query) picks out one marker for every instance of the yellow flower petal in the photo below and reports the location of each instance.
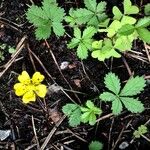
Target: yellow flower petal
(41, 90)
(37, 78)
(28, 97)
(20, 89)
(24, 78)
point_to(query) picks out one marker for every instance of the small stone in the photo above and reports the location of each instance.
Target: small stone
(123, 145)
(64, 65)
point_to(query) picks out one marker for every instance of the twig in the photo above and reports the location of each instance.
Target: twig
(52, 133)
(105, 117)
(19, 48)
(48, 46)
(127, 66)
(34, 130)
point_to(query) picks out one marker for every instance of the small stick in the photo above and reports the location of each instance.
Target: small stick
(104, 117)
(48, 138)
(34, 130)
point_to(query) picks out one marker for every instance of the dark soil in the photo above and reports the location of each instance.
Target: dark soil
(17, 117)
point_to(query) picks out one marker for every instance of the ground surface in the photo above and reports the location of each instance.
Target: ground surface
(85, 77)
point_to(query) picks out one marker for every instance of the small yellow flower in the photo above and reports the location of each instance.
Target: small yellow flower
(29, 88)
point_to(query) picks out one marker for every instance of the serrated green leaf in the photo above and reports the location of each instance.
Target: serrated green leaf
(133, 87)
(112, 82)
(77, 33)
(107, 96)
(89, 104)
(95, 145)
(136, 134)
(144, 34)
(74, 119)
(38, 19)
(132, 104)
(101, 7)
(58, 28)
(88, 32)
(143, 22)
(90, 4)
(83, 16)
(82, 51)
(69, 108)
(43, 32)
(123, 43)
(116, 106)
(92, 119)
(129, 8)
(142, 129)
(117, 13)
(147, 9)
(126, 29)
(85, 117)
(73, 43)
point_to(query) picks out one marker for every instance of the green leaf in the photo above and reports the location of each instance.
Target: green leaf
(82, 51)
(112, 82)
(133, 87)
(126, 29)
(129, 8)
(77, 33)
(88, 32)
(147, 9)
(143, 22)
(107, 96)
(123, 43)
(69, 108)
(101, 7)
(43, 32)
(132, 104)
(144, 34)
(95, 145)
(73, 43)
(90, 112)
(116, 106)
(117, 13)
(46, 17)
(90, 4)
(142, 129)
(97, 44)
(73, 112)
(74, 119)
(58, 28)
(128, 20)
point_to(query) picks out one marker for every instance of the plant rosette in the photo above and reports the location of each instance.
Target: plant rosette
(29, 88)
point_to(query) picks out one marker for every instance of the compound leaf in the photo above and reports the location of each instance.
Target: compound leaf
(133, 105)
(112, 82)
(133, 87)
(58, 28)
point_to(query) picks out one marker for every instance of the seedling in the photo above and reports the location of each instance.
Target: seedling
(121, 32)
(95, 145)
(82, 42)
(46, 18)
(141, 131)
(92, 15)
(77, 114)
(124, 97)
(89, 113)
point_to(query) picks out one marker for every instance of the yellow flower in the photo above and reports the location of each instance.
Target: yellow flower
(29, 88)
